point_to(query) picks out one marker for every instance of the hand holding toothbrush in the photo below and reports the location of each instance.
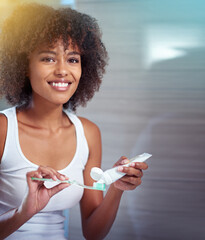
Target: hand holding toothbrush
(38, 195)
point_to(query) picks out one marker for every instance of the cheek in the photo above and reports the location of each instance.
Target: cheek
(36, 73)
(33, 72)
(79, 74)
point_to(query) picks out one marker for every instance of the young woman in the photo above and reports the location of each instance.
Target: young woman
(51, 62)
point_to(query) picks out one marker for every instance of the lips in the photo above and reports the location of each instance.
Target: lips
(60, 85)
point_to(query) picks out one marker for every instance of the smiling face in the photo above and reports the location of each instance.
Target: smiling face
(54, 73)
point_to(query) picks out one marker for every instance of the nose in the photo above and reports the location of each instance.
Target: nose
(61, 69)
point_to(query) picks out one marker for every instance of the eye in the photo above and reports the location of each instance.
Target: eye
(48, 59)
(73, 60)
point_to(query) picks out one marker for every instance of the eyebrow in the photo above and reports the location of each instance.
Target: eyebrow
(54, 53)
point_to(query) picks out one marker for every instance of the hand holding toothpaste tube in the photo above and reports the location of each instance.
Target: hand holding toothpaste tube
(125, 174)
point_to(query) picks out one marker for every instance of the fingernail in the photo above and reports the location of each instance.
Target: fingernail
(120, 169)
(125, 161)
(132, 164)
(62, 177)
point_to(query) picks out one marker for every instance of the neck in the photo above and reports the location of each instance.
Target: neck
(45, 115)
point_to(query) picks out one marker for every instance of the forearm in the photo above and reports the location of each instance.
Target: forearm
(11, 221)
(100, 221)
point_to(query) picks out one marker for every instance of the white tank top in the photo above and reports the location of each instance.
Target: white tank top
(48, 223)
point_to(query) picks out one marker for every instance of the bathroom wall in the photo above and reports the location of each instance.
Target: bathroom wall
(152, 99)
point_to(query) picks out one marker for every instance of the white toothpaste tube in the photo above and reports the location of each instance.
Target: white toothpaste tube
(112, 175)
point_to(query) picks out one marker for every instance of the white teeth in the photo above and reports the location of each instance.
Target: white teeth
(60, 84)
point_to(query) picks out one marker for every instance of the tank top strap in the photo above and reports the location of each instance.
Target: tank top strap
(10, 114)
(76, 121)
(82, 145)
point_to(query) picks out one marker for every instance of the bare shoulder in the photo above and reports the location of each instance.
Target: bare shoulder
(92, 133)
(90, 128)
(3, 131)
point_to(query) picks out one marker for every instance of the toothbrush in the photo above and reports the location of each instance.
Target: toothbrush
(100, 186)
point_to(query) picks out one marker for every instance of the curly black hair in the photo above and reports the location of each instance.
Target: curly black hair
(34, 24)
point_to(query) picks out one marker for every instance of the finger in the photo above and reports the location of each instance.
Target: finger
(31, 174)
(139, 165)
(131, 171)
(48, 172)
(58, 175)
(123, 160)
(132, 180)
(33, 185)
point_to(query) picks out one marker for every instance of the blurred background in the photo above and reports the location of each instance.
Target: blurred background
(152, 99)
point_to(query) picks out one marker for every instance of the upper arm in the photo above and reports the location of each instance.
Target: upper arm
(3, 132)
(91, 198)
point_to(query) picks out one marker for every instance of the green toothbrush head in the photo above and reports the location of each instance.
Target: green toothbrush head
(99, 186)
